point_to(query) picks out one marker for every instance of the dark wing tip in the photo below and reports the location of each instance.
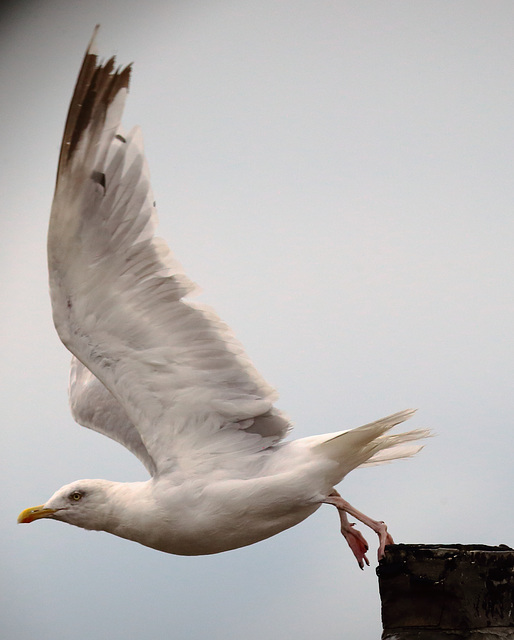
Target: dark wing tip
(91, 48)
(97, 86)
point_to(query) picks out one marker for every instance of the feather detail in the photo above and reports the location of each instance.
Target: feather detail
(368, 445)
(119, 301)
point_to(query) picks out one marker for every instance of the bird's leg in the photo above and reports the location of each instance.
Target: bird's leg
(354, 538)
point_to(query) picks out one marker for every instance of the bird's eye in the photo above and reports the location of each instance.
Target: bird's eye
(76, 495)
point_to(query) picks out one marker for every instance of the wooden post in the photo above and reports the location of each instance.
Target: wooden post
(447, 592)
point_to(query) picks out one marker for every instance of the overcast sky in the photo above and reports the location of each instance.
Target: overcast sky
(338, 178)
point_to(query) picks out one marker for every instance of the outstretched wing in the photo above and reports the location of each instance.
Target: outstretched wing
(118, 297)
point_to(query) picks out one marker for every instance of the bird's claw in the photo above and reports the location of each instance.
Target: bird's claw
(385, 539)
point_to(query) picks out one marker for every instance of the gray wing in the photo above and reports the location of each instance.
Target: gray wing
(93, 406)
(119, 298)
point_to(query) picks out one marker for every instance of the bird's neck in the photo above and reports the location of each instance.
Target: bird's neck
(126, 507)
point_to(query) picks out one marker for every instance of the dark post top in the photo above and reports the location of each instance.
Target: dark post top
(450, 592)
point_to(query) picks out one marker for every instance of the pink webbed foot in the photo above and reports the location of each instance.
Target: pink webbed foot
(355, 539)
(385, 538)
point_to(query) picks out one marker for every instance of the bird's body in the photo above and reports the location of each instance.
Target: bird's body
(164, 376)
(203, 516)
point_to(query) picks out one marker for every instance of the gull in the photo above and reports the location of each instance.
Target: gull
(164, 376)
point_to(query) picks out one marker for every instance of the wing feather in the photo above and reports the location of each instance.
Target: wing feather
(119, 296)
(93, 406)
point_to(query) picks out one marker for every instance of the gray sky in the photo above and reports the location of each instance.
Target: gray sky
(338, 177)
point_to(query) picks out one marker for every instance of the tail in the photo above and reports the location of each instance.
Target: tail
(368, 445)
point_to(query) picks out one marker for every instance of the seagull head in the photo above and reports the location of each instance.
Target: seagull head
(83, 503)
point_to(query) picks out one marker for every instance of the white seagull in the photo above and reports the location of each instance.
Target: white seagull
(164, 376)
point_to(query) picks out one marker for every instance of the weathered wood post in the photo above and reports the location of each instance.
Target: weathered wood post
(447, 592)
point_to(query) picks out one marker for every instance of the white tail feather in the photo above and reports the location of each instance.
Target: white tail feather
(367, 445)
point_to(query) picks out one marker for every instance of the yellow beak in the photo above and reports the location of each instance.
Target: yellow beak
(34, 513)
